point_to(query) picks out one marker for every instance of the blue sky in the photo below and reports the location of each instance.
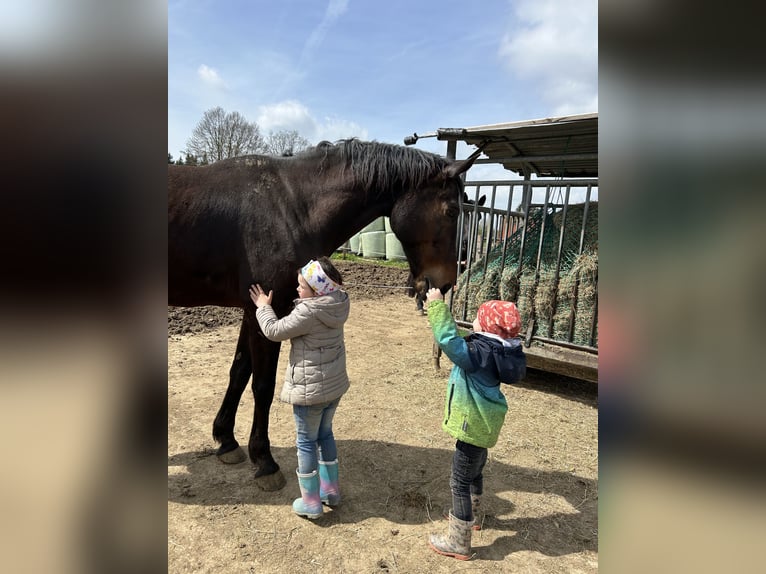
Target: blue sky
(380, 71)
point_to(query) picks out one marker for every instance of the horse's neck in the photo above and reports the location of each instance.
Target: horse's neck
(345, 220)
(345, 210)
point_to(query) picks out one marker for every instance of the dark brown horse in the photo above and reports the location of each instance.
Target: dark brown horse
(258, 219)
(465, 232)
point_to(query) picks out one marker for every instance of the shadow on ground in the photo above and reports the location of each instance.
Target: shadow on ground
(410, 485)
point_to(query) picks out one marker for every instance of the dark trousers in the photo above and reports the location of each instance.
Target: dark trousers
(466, 478)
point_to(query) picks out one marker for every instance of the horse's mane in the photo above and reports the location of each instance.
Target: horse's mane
(385, 167)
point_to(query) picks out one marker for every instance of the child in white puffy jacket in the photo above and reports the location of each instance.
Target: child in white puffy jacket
(316, 375)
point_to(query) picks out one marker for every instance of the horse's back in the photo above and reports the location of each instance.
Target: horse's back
(220, 179)
(225, 228)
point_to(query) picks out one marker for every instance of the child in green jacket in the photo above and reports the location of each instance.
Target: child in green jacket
(475, 407)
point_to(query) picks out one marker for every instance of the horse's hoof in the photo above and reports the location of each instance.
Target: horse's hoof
(271, 482)
(233, 456)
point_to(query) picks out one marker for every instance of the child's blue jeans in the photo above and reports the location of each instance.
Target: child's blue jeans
(466, 478)
(313, 425)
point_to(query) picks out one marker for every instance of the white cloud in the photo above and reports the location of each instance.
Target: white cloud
(554, 45)
(210, 76)
(335, 9)
(333, 129)
(287, 115)
(293, 115)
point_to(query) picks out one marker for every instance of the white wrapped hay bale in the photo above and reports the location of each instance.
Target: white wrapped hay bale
(376, 225)
(374, 244)
(355, 244)
(394, 249)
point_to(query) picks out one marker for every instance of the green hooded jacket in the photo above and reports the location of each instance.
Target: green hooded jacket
(475, 407)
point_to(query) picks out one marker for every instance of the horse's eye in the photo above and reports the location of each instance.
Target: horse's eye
(453, 212)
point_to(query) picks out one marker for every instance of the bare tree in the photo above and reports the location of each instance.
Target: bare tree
(285, 142)
(220, 135)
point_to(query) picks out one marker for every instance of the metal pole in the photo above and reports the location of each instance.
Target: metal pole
(558, 263)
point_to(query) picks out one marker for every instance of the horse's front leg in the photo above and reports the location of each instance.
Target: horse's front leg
(223, 426)
(265, 356)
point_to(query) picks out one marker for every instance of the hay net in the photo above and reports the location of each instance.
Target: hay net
(564, 303)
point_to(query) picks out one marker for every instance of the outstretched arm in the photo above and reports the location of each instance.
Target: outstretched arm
(445, 330)
(297, 323)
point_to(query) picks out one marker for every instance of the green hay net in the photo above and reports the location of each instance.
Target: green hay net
(564, 307)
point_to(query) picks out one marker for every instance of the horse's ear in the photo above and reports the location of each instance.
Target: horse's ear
(457, 167)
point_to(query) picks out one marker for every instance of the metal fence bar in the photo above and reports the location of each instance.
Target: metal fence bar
(584, 220)
(576, 290)
(558, 263)
(526, 200)
(534, 182)
(506, 230)
(536, 281)
(475, 222)
(588, 349)
(594, 321)
(460, 232)
(486, 239)
(467, 266)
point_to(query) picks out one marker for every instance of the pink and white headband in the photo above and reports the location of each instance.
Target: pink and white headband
(315, 276)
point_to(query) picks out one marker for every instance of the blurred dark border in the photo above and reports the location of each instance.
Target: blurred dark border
(682, 153)
(83, 113)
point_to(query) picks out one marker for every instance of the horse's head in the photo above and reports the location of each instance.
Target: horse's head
(425, 220)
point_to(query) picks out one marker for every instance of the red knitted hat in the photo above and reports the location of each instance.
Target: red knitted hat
(500, 318)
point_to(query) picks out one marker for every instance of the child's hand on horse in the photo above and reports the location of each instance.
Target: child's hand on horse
(434, 294)
(259, 297)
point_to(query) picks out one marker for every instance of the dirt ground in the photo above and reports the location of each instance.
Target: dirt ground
(541, 481)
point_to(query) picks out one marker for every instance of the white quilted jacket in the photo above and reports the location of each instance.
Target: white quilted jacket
(316, 372)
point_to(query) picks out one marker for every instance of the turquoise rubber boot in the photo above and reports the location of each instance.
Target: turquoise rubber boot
(329, 491)
(309, 504)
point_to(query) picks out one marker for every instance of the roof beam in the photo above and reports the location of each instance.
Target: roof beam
(520, 159)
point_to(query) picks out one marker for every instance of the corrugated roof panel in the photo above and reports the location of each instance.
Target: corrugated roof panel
(565, 146)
